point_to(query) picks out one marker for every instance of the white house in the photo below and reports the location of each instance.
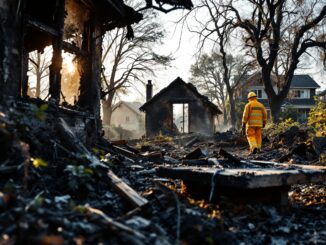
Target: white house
(127, 121)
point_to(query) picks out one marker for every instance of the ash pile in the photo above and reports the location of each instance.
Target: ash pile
(58, 189)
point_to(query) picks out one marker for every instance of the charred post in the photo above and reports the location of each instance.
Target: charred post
(55, 67)
(10, 50)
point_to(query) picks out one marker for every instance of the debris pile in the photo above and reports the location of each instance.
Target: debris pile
(56, 189)
(295, 146)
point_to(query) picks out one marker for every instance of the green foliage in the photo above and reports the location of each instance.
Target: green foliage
(39, 162)
(39, 112)
(99, 153)
(139, 145)
(79, 177)
(317, 118)
(288, 113)
(274, 129)
(163, 138)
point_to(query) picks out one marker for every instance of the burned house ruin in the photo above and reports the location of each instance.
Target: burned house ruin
(196, 112)
(68, 27)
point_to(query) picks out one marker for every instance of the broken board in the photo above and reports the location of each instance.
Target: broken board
(252, 184)
(245, 178)
(126, 191)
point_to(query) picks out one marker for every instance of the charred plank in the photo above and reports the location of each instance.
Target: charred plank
(126, 191)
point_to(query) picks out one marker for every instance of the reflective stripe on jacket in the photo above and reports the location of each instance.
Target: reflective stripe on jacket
(254, 114)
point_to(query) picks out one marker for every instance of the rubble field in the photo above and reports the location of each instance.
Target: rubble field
(56, 190)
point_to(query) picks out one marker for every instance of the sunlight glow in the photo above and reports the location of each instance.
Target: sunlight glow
(68, 62)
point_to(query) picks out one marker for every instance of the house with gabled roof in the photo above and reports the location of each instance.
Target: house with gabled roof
(300, 97)
(322, 95)
(127, 119)
(179, 108)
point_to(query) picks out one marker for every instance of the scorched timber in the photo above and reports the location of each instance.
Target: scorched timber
(244, 178)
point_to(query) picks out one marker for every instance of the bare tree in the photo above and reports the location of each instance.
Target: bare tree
(276, 30)
(214, 26)
(128, 61)
(166, 6)
(39, 63)
(278, 34)
(208, 74)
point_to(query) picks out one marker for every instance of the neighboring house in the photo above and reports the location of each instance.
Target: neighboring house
(179, 108)
(322, 95)
(300, 97)
(127, 121)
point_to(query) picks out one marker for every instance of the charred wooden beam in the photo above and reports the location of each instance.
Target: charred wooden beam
(24, 77)
(31, 22)
(10, 51)
(24, 54)
(195, 154)
(227, 155)
(73, 49)
(85, 66)
(191, 142)
(90, 82)
(196, 162)
(244, 178)
(125, 152)
(68, 47)
(286, 165)
(55, 67)
(113, 224)
(126, 191)
(235, 159)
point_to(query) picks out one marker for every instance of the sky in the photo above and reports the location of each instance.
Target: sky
(183, 47)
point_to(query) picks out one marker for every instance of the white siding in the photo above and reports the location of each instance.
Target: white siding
(264, 95)
(128, 119)
(304, 93)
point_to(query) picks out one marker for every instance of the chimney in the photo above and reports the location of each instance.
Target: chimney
(149, 90)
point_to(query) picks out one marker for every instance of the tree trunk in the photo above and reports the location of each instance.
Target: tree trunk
(225, 116)
(38, 76)
(275, 100)
(232, 106)
(232, 111)
(275, 110)
(107, 109)
(56, 65)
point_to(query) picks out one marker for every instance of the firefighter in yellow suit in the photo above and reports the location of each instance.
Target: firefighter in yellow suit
(253, 120)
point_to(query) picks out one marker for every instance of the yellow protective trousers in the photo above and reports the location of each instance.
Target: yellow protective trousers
(254, 137)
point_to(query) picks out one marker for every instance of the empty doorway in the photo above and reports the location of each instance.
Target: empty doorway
(181, 117)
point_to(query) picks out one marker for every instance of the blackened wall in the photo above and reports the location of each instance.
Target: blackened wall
(159, 114)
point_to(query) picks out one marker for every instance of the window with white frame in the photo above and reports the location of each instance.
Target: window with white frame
(299, 94)
(258, 92)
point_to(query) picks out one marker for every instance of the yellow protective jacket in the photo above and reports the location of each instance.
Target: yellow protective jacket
(254, 114)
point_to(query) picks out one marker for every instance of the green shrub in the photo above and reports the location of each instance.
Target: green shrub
(317, 118)
(274, 129)
(288, 112)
